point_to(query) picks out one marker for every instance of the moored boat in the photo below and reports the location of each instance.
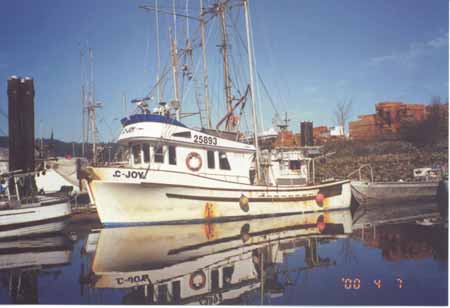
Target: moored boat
(177, 174)
(24, 213)
(172, 178)
(371, 193)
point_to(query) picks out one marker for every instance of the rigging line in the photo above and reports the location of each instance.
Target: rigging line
(165, 72)
(257, 92)
(259, 75)
(237, 71)
(276, 83)
(187, 20)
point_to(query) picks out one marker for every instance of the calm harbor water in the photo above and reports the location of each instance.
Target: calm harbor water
(314, 259)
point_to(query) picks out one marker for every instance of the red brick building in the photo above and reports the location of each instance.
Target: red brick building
(386, 121)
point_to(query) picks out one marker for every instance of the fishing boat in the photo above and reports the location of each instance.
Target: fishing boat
(23, 212)
(210, 263)
(177, 174)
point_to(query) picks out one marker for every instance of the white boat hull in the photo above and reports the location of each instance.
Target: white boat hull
(133, 203)
(379, 193)
(45, 217)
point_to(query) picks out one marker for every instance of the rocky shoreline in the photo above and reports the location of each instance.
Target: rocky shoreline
(390, 160)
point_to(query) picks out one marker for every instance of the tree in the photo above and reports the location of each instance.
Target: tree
(342, 113)
(430, 131)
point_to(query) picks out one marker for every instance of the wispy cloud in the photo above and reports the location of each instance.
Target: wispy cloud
(310, 89)
(414, 51)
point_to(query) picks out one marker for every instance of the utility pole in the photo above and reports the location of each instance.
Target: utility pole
(205, 66)
(221, 7)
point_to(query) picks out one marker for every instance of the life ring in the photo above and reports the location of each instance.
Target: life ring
(197, 280)
(194, 167)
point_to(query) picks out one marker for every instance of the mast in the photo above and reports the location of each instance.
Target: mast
(173, 51)
(174, 54)
(250, 64)
(83, 104)
(223, 27)
(158, 57)
(91, 105)
(205, 66)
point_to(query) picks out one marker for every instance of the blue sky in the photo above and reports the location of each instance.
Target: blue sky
(311, 55)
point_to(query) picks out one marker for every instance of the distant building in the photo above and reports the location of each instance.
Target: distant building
(336, 131)
(385, 123)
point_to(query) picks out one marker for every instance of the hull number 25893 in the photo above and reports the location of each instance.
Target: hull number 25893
(205, 140)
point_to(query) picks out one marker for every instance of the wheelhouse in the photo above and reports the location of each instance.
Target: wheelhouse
(155, 143)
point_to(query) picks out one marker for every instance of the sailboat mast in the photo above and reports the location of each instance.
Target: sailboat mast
(223, 26)
(250, 64)
(205, 66)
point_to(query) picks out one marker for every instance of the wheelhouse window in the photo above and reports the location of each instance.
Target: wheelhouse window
(159, 154)
(172, 155)
(223, 161)
(136, 149)
(146, 151)
(295, 164)
(211, 159)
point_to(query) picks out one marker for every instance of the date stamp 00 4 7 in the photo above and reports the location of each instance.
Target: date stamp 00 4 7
(356, 283)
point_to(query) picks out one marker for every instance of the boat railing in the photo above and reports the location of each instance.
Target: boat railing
(368, 166)
(18, 179)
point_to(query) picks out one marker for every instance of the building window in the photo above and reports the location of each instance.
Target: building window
(146, 151)
(211, 160)
(223, 161)
(172, 155)
(136, 153)
(159, 154)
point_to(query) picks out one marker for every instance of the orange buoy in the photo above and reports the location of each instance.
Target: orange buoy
(319, 199)
(320, 224)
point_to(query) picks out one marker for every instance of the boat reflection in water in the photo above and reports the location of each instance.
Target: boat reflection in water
(210, 263)
(22, 261)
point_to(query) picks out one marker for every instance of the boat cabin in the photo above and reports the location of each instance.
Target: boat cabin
(156, 142)
(161, 143)
(286, 167)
